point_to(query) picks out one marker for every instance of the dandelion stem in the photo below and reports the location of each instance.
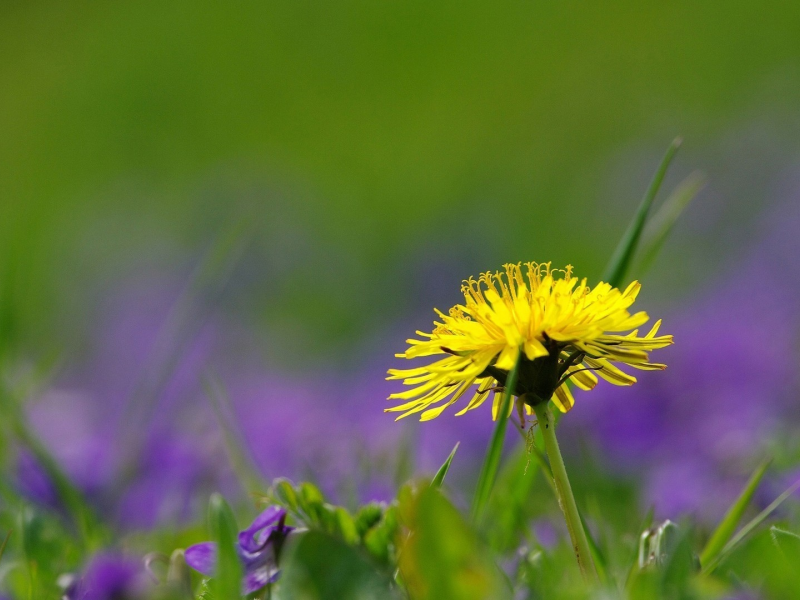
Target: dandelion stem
(565, 498)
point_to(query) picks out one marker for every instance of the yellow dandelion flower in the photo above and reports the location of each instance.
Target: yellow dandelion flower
(564, 329)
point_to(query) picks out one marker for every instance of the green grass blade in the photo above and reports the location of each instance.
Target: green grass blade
(227, 581)
(725, 530)
(598, 557)
(438, 479)
(747, 529)
(634, 562)
(660, 225)
(71, 498)
(623, 254)
(241, 460)
(491, 462)
(5, 543)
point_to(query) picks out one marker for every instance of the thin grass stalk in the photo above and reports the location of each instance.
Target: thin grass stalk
(491, 463)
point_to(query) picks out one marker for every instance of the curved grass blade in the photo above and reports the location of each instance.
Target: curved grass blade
(227, 582)
(438, 479)
(241, 460)
(623, 254)
(660, 225)
(722, 534)
(747, 529)
(491, 462)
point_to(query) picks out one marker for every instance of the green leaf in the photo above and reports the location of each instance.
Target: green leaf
(438, 479)
(442, 556)
(491, 462)
(722, 534)
(749, 527)
(379, 540)
(623, 254)
(317, 566)
(368, 516)
(227, 582)
(345, 526)
(512, 506)
(661, 224)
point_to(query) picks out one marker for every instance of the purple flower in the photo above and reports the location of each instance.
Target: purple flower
(109, 577)
(258, 547)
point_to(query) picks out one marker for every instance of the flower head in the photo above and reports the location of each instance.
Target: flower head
(257, 546)
(556, 326)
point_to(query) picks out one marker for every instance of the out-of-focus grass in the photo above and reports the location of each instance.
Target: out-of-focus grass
(357, 134)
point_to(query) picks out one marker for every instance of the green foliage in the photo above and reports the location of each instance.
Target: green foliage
(372, 528)
(749, 527)
(621, 260)
(438, 479)
(227, 582)
(319, 566)
(724, 531)
(441, 556)
(491, 461)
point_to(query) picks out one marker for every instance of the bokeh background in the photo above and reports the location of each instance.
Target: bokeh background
(229, 217)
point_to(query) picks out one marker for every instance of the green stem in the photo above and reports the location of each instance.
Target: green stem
(565, 498)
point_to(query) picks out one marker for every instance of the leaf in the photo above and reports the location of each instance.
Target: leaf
(661, 224)
(621, 260)
(317, 566)
(227, 582)
(368, 516)
(379, 540)
(511, 507)
(438, 479)
(442, 557)
(346, 527)
(722, 534)
(747, 529)
(491, 462)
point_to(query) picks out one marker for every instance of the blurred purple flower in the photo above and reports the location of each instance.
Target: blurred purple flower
(258, 548)
(695, 432)
(109, 577)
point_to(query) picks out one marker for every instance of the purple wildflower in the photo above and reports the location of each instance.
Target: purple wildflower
(109, 577)
(258, 547)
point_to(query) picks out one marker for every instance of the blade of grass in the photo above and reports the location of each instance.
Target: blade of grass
(597, 555)
(722, 534)
(646, 523)
(660, 225)
(747, 529)
(438, 479)
(227, 582)
(71, 498)
(241, 460)
(5, 543)
(491, 462)
(621, 260)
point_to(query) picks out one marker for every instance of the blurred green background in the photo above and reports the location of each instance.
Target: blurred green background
(380, 151)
